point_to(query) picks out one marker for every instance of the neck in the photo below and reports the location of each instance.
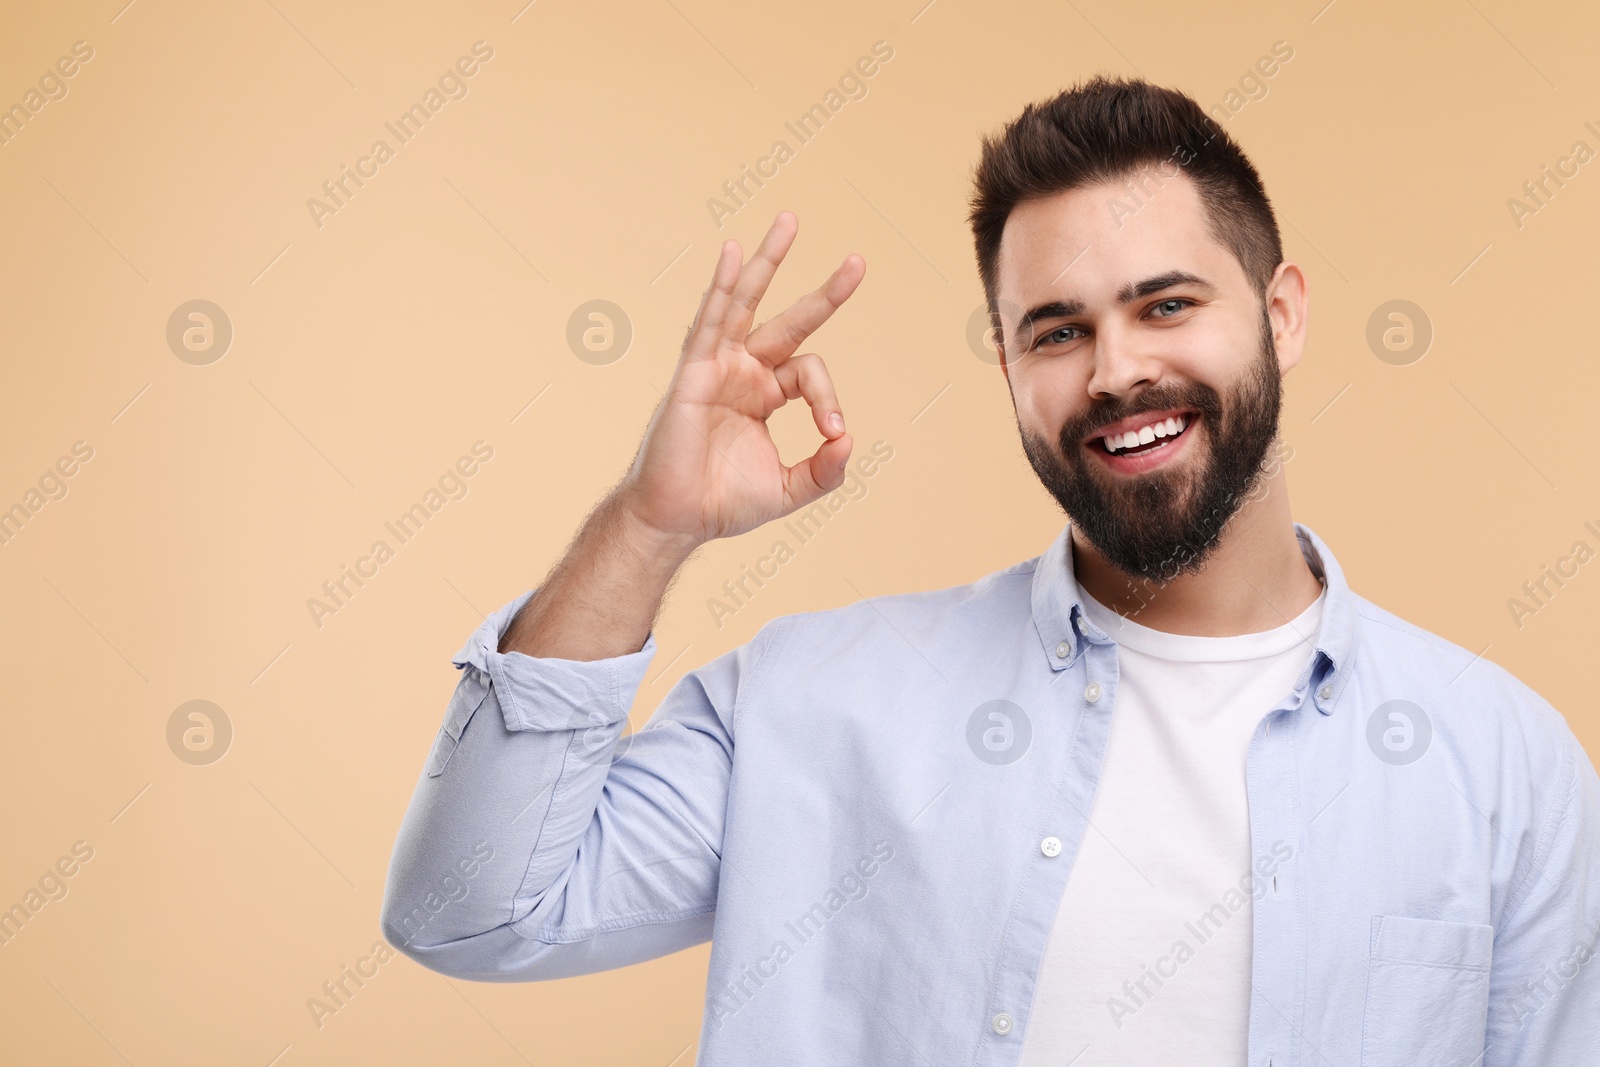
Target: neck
(1255, 580)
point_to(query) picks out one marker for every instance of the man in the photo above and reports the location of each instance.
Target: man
(1168, 792)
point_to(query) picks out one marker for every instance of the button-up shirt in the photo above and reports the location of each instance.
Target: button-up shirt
(872, 813)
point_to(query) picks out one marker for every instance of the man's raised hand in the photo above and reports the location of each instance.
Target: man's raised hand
(707, 466)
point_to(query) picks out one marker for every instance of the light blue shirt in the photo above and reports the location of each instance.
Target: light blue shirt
(872, 812)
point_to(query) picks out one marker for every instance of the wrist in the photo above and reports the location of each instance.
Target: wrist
(665, 550)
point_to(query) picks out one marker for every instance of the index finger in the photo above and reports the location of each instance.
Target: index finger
(757, 274)
(777, 339)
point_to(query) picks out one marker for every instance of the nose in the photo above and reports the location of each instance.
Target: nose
(1122, 365)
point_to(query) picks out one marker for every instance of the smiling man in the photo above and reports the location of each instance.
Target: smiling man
(1169, 791)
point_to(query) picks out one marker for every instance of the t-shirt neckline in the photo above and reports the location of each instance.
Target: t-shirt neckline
(1302, 629)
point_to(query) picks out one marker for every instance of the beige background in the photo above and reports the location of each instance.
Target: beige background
(369, 353)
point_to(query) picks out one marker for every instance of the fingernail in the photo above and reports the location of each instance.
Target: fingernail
(836, 421)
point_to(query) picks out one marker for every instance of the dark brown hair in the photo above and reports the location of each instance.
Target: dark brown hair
(1104, 130)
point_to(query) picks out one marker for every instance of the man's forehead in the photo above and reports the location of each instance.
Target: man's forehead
(1095, 241)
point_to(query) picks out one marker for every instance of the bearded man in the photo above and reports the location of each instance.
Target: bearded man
(1168, 792)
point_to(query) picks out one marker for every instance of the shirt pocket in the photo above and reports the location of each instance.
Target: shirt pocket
(468, 697)
(1427, 992)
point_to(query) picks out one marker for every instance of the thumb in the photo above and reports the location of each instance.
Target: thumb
(822, 473)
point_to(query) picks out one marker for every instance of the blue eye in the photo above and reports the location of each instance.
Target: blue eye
(1052, 335)
(1058, 336)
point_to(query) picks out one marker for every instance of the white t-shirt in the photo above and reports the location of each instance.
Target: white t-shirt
(1142, 966)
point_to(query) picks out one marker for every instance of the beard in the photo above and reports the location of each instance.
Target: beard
(1166, 522)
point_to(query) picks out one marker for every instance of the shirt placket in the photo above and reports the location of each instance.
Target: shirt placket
(1089, 675)
(1277, 964)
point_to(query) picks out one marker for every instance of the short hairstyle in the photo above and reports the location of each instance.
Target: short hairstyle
(1104, 130)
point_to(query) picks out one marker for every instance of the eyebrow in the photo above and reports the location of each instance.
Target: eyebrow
(1056, 309)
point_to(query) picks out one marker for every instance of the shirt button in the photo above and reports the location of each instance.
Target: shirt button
(1002, 1023)
(1050, 846)
(1063, 650)
(1325, 692)
(1092, 693)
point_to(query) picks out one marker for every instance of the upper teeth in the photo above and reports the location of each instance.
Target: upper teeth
(1145, 434)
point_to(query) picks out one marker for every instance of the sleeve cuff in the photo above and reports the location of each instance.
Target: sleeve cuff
(540, 693)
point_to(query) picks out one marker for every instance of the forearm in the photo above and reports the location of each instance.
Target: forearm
(602, 598)
(508, 790)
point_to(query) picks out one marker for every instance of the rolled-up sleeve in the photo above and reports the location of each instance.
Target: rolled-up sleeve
(542, 840)
(1546, 978)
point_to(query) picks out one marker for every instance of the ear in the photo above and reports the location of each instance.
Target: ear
(1286, 303)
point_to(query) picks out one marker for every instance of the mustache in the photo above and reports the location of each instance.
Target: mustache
(1097, 416)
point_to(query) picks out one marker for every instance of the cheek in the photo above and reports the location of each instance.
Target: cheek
(1052, 389)
(1216, 359)
(1048, 395)
(1229, 345)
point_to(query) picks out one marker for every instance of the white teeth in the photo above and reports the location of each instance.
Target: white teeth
(1169, 427)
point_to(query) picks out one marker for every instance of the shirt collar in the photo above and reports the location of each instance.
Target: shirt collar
(1063, 627)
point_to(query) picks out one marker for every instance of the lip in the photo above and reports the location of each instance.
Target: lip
(1123, 464)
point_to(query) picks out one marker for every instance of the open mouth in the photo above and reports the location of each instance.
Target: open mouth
(1148, 437)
